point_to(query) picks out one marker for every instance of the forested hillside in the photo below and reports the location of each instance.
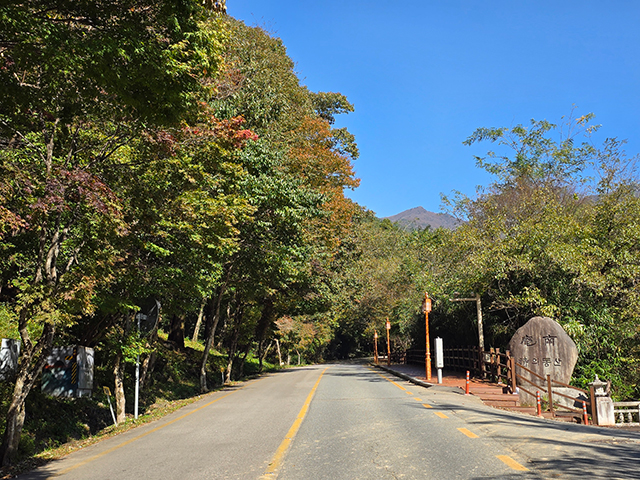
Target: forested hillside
(164, 150)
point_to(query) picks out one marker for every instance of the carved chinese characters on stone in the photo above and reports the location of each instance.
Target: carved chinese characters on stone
(543, 347)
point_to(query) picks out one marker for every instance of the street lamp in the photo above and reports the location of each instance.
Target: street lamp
(426, 308)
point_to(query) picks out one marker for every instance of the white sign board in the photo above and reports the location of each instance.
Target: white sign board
(439, 353)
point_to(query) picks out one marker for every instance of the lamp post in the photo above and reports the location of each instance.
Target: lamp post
(426, 308)
(375, 347)
(388, 325)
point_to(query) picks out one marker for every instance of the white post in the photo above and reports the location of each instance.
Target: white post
(480, 329)
(439, 358)
(137, 389)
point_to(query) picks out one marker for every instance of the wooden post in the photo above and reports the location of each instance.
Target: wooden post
(550, 393)
(388, 325)
(375, 347)
(492, 363)
(498, 366)
(594, 408)
(512, 370)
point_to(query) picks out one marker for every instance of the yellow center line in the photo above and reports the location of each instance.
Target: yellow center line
(468, 433)
(124, 444)
(409, 393)
(389, 380)
(441, 415)
(426, 405)
(276, 461)
(512, 463)
(417, 399)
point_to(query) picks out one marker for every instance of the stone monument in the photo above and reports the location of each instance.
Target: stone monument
(543, 347)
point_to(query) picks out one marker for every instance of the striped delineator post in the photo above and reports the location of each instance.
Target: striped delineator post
(585, 418)
(466, 386)
(538, 403)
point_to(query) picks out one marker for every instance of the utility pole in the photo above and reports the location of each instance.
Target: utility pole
(476, 298)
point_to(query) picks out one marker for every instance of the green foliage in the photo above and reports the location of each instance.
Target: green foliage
(539, 242)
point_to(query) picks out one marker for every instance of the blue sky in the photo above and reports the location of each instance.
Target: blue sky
(423, 75)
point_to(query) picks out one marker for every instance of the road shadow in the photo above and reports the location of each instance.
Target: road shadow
(594, 452)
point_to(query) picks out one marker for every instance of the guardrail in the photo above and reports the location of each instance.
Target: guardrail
(492, 364)
(500, 367)
(546, 385)
(627, 413)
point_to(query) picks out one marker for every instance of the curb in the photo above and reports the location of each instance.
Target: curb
(415, 380)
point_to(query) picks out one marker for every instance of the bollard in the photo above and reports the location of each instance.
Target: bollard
(538, 403)
(585, 418)
(466, 386)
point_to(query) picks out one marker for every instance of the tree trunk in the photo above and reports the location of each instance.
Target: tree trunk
(31, 364)
(243, 360)
(118, 390)
(212, 323)
(263, 325)
(279, 354)
(176, 334)
(118, 375)
(264, 355)
(15, 422)
(196, 330)
(150, 360)
(234, 345)
(147, 367)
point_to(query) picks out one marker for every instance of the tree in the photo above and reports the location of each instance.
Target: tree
(296, 173)
(538, 242)
(80, 80)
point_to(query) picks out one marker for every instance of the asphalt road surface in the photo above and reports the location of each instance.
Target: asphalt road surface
(350, 421)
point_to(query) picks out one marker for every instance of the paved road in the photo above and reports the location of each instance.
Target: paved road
(351, 422)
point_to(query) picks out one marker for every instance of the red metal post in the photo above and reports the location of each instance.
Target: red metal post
(585, 418)
(426, 307)
(466, 387)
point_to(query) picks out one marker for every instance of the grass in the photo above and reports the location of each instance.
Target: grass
(55, 427)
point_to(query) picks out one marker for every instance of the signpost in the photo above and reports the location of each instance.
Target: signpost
(426, 308)
(107, 392)
(439, 358)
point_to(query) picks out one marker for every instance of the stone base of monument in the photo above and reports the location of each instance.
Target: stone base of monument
(577, 404)
(605, 415)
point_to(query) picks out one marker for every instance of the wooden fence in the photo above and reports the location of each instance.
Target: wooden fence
(492, 364)
(500, 367)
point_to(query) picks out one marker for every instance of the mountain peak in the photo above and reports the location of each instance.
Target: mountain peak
(418, 218)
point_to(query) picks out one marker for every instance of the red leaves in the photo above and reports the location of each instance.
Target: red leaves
(229, 133)
(67, 188)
